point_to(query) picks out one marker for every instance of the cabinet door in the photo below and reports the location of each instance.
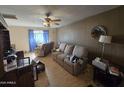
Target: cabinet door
(26, 80)
(25, 77)
(1, 56)
(9, 79)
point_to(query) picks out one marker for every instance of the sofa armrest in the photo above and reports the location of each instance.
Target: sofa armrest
(77, 68)
(79, 65)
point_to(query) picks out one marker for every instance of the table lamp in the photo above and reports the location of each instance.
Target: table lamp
(104, 39)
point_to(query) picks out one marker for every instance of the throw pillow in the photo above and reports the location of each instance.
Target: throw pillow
(74, 58)
(71, 58)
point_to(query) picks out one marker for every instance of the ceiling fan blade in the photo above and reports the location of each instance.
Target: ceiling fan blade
(56, 20)
(57, 24)
(9, 16)
(42, 20)
(48, 19)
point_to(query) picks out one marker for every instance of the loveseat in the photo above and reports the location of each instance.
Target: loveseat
(72, 58)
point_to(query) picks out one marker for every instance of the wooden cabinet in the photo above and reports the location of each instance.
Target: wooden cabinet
(1, 56)
(4, 36)
(9, 79)
(6, 41)
(22, 77)
(25, 77)
(105, 78)
(19, 77)
(4, 47)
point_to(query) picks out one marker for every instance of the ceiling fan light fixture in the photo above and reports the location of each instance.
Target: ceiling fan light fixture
(46, 24)
(48, 21)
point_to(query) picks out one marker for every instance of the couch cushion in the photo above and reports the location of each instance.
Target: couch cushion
(62, 47)
(55, 54)
(68, 49)
(80, 51)
(61, 57)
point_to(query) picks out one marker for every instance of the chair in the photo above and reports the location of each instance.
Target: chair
(45, 49)
(20, 54)
(21, 60)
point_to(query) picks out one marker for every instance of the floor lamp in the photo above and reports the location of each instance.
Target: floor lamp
(104, 39)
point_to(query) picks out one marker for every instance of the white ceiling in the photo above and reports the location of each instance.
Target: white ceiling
(30, 15)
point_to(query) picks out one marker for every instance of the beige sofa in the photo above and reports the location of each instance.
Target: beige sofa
(66, 56)
(60, 51)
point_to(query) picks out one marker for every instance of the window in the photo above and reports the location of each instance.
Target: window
(38, 37)
(41, 36)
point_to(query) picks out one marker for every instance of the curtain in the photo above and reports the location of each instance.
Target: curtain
(32, 41)
(46, 36)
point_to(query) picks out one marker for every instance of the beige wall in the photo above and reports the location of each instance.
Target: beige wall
(53, 35)
(80, 33)
(19, 36)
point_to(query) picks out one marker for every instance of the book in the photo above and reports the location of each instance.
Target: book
(114, 71)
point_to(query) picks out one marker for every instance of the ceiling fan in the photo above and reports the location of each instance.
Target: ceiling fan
(47, 21)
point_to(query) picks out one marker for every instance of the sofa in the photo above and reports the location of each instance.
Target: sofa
(72, 58)
(60, 50)
(44, 49)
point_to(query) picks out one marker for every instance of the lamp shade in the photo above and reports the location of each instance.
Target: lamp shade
(105, 39)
